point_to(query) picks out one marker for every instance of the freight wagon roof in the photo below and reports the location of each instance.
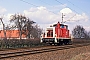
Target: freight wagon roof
(10, 34)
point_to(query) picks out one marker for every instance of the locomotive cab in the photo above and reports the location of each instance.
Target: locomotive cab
(49, 35)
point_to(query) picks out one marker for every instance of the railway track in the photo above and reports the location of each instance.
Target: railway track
(37, 51)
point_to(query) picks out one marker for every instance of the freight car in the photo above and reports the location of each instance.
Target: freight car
(56, 34)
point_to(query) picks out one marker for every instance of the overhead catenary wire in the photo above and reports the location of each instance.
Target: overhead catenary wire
(78, 7)
(36, 6)
(66, 6)
(29, 3)
(61, 4)
(69, 8)
(53, 6)
(75, 5)
(45, 2)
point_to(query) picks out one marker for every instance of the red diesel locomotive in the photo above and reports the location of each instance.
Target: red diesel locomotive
(56, 34)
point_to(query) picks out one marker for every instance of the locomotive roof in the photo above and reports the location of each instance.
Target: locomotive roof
(60, 24)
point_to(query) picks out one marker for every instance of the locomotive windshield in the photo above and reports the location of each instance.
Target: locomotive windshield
(64, 26)
(49, 32)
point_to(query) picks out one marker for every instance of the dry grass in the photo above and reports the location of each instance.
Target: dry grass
(83, 56)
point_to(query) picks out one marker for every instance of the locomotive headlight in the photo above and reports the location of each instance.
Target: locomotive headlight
(41, 41)
(41, 38)
(55, 38)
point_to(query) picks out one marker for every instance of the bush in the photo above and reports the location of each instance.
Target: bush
(16, 43)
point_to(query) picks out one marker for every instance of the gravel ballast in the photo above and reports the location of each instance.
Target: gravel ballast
(79, 53)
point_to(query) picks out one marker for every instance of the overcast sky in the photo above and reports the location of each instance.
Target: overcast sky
(47, 12)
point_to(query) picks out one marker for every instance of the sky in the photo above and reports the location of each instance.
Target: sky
(48, 12)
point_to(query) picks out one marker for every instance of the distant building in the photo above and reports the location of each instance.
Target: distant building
(11, 34)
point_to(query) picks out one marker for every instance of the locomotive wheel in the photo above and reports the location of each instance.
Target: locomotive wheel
(50, 43)
(60, 43)
(65, 43)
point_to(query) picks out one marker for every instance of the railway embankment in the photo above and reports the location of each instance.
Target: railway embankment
(78, 53)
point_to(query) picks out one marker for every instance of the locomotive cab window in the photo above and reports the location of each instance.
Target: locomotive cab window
(66, 27)
(49, 33)
(61, 26)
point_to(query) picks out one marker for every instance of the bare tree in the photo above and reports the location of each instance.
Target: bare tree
(89, 34)
(32, 31)
(28, 27)
(18, 21)
(79, 32)
(23, 24)
(36, 32)
(3, 28)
